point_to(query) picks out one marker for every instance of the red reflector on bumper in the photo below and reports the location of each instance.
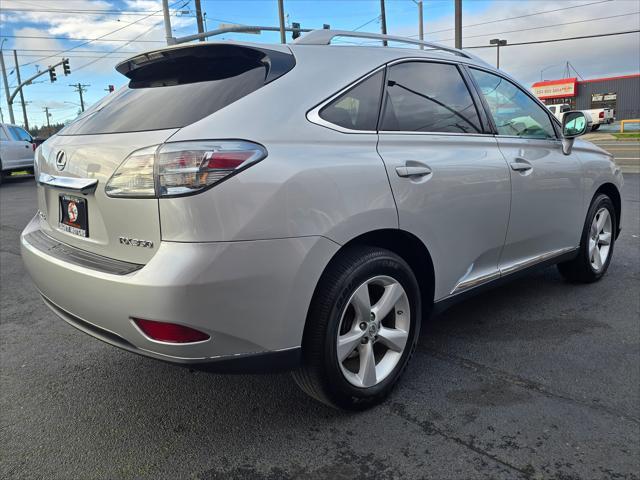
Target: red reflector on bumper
(170, 332)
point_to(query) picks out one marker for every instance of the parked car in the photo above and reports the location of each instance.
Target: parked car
(16, 149)
(305, 206)
(598, 116)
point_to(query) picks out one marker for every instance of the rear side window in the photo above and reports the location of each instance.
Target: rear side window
(357, 109)
(3, 135)
(428, 97)
(177, 87)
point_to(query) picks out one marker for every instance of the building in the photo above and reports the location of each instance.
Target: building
(620, 93)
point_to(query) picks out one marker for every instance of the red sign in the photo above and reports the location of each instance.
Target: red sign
(565, 87)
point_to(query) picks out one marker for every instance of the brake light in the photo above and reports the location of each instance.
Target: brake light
(601, 115)
(170, 332)
(182, 168)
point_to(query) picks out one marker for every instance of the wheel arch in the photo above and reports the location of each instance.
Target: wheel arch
(611, 191)
(406, 245)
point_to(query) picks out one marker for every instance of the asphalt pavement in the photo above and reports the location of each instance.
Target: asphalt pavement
(626, 152)
(536, 379)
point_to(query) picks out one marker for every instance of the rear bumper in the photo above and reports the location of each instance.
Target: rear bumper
(250, 297)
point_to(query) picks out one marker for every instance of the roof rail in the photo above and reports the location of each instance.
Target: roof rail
(324, 37)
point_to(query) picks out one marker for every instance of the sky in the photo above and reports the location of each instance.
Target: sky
(98, 34)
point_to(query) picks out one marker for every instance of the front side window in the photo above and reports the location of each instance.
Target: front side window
(428, 97)
(20, 134)
(514, 112)
(356, 109)
(3, 135)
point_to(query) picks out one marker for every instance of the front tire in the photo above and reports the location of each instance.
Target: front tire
(596, 244)
(361, 330)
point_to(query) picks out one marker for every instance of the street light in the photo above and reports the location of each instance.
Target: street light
(498, 43)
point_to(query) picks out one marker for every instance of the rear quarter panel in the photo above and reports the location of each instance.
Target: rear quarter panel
(314, 181)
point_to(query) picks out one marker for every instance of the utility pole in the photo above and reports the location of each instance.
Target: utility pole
(421, 23)
(24, 108)
(283, 38)
(167, 22)
(458, 23)
(47, 114)
(6, 87)
(80, 88)
(383, 21)
(199, 18)
(498, 43)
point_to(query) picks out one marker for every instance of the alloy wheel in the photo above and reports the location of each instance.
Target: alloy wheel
(373, 331)
(600, 239)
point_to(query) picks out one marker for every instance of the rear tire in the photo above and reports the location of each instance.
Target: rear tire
(595, 127)
(596, 244)
(351, 359)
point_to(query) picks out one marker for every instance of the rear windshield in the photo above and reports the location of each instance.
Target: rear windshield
(178, 87)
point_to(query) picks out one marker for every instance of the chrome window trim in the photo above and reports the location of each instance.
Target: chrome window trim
(313, 115)
(554, 121)
(553, 140)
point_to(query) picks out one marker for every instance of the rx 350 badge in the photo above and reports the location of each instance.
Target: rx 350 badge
(135, 242)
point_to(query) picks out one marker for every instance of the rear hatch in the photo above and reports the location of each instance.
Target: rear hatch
(168, 90)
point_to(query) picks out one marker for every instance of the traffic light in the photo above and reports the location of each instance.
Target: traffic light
(111, 88)
(52, 75)
(326, 26)
(66, 67)
(296, 30)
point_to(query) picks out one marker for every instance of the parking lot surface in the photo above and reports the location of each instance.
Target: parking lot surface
(536, 379)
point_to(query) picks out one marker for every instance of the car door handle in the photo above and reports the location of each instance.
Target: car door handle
(413, 171)
(521, 165)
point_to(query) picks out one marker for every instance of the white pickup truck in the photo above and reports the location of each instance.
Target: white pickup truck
(598, 115)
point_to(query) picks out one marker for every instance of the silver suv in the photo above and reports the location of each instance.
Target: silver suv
(246, 207)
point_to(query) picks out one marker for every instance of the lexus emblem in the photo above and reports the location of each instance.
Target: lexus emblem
(61, 160)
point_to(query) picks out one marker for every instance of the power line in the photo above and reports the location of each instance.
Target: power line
(520, 16)
(55, 50)
(559, 39)
(79, 39)
(91, 12)
(121, 46)
(100, 37)
(544, 26)
(377, 17)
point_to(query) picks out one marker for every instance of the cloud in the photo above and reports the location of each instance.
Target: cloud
(596, 57)
(76, 23)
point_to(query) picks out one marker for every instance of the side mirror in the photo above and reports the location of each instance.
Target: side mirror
(574, 124)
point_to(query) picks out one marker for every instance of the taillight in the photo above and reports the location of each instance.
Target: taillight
(33, 146)
(170, 332)
(134, 177)
(601, 115)
(182, 168)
